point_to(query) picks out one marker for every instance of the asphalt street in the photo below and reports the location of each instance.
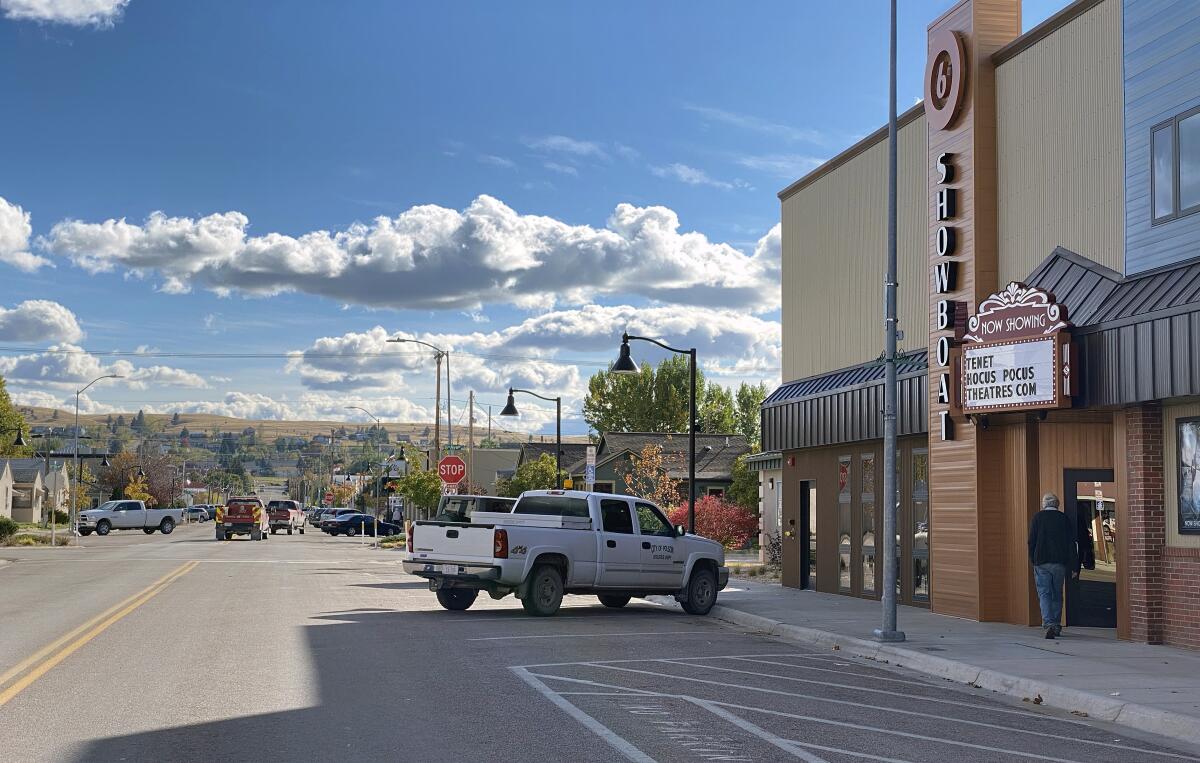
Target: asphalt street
(307, 647)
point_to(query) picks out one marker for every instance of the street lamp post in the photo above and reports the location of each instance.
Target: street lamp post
(510, 409)
(439, 353)
(75, 493)
(625, 365)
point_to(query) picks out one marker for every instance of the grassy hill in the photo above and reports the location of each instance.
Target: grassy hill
(268, 430)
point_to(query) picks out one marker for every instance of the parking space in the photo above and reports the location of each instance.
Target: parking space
(814, 707)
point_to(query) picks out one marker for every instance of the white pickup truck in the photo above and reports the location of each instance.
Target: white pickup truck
(557, 542)
(128, 515)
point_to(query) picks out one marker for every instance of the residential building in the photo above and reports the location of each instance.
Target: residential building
(1049, 297)
(572, 452)
(484, 464)
(769, 467)
(617, 451)
(29, 493)
(6, 490)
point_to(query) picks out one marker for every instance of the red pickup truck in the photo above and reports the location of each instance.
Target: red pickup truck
(286, 515)
(242, 516)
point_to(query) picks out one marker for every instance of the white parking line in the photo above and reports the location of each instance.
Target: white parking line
(645, 659)
(872, 676)
(758, 731)
(894, 710)
(863, 755)
(619, 743)
(595, 635)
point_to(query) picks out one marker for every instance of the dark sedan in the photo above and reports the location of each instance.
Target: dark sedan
(361, 524)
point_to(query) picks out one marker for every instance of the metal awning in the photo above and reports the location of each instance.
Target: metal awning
(765, 462)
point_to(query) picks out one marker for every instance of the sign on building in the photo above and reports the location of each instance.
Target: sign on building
(589, 470)
(1016, 353)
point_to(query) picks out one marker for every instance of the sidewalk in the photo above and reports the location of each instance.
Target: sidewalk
(1152, 688)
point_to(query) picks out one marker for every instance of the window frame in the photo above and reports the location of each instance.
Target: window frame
(1177, 211)
(657, 512)
(633, 528)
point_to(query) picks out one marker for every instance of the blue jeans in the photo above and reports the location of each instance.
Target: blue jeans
(1049, 579)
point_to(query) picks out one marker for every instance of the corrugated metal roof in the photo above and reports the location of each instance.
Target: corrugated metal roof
(1095, 295)
(906, 365)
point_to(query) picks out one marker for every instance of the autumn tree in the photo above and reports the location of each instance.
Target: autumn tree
(136, 490)
(648, 476)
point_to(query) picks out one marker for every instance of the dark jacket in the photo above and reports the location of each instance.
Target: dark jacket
(1052, 539)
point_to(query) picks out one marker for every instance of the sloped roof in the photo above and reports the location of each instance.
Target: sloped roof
(1094, 294)
(908, 364)
(25, 474)
(571, 452)
(715, 453)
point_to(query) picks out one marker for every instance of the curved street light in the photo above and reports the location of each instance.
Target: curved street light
(439, 353)
(625, 365)
(510, 409)
(75, 493)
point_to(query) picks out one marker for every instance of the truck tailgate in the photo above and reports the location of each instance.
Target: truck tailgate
(453, 542)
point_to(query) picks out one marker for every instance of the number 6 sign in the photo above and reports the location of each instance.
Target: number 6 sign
(945, 79)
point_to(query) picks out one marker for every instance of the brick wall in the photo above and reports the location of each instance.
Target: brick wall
(1181, 592)
(1147, 526)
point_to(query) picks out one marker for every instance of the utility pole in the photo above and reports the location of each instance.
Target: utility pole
(436, 453)
(888, 632)
(470, 435)
(489, 423)
(449, 432)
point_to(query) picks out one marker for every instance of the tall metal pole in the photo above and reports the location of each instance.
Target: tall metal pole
(470, 435)
(75, 493)
(888, 632)
(437, 412)
(558, 442)
(449, 431)
(692, 441)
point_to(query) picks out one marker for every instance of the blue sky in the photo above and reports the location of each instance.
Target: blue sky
(515, 181)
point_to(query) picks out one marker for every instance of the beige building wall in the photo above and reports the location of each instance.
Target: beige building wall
(1171, 467)
(1060, 146)
(834, 249)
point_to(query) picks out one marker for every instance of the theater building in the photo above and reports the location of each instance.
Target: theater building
(1049, 293)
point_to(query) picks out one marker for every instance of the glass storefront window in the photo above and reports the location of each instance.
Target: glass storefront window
(920, 524)
(812, 534)
(867, 464)
(844, 523)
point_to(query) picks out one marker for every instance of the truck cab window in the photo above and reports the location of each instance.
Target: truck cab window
(616, 518)
(652, 522)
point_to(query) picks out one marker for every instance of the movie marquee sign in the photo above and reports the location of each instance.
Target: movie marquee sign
(1016, 354)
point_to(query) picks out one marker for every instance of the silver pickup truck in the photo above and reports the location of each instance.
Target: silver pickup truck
(557, 542)
(128, 515)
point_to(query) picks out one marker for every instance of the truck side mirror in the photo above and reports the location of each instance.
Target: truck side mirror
(680, 530)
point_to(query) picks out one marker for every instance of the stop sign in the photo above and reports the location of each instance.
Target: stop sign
(452, 470)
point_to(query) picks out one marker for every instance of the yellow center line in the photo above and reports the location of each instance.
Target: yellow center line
(82, 635)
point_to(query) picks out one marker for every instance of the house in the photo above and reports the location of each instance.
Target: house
(55, 485)
(484, 464)
(769, 467)
(715, 456)
(571, 452)
(28, 493)
(6, 490)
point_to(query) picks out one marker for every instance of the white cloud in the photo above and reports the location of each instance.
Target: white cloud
(98, 13)
(562, 144)
(67, 366)
(758, 124)
(690, 175)
(497, 161)
(788, 166)
(435, 258)
(564, 169)
(15, 230)
(39, 320)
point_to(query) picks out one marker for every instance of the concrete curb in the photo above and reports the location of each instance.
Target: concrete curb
(1140, 717)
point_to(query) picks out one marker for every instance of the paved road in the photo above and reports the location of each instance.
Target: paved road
(309, 647)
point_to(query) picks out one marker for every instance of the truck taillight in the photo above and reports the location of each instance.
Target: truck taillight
(500, 545)
(408, 530)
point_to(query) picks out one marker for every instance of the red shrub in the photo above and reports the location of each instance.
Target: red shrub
(718, 519)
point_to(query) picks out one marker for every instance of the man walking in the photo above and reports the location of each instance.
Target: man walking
(1051, 552)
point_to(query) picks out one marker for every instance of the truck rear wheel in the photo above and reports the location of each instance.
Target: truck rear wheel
(167, 526)
(613, 600)
(701, 592)
(456, 599)
(545, 593)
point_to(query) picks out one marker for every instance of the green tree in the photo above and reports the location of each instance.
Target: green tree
(139, 422)
(531, 475)
(421, 488)
(749, 402)
(744, 490)
(175, 419)
(652, 400)
(11, 421)
(715, 411)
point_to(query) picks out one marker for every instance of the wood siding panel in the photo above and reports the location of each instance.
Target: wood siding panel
(1060, 146)
(834, 243)
(1161, 44)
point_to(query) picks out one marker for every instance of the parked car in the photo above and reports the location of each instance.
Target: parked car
(195, 514)
(330, 517)
(355, 524)
(460, 508)
(242, 516)
(128, 515)
(556, 542)
(285, 515)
